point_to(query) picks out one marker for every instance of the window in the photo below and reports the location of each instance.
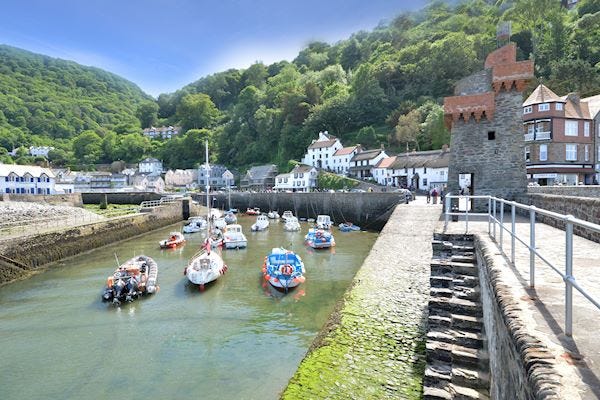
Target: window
(586, 128)
(558, 106)
(586, 152)
(530, 129)
(571, 152)
(543, 152)
(544, 107)
(542, 126)
(491, 135)
(571, 128)
(527, 110)
(527, 153)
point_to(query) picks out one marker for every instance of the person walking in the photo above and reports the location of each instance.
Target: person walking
(428, 196)
(434, 194)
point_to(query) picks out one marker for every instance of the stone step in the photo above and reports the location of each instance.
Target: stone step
(439, 320)
(441, 281)
(468, 357)
(466, 293)
(464, 258)
(443, 267)
(436, 393)
(465, 393)
(455, 306)
(441, 292)
(436, 351)
(469, 339)
(465, 280)
(467, 322)
(437, 374)
(471, 378)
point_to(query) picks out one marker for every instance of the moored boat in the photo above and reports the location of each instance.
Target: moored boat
(207, 265)
(348, 227)
(286, 214)
(175, 239)
(234, 238)
(291, 224)
(132, 279)
(230, 218)
(324, 222)
(283, 269)
(319, 239)
(194, 224)
(273, 215)
(253, 211)
(262, 223)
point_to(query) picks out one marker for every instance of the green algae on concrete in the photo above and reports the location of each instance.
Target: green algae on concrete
(373, 346)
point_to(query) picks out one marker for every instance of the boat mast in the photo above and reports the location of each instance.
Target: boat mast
(208, 224)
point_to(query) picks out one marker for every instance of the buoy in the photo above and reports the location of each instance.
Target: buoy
(267, 277)
(264, 270)
(301, 279)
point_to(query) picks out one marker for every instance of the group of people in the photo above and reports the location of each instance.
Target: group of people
(433, 195)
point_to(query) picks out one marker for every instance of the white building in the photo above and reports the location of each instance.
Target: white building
(303, 178)
(26, 179)
(180, 178)
(362, 163)
(215, 177)
(320, 152)
(341, 159)
(383, 173)
(40, 150)
(422, 170)
(150, 166)
(164, 132)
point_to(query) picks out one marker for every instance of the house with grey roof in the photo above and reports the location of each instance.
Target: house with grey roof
(303, 178)
(261, 177)
(423, 170)
(362, 163)
(214, 175)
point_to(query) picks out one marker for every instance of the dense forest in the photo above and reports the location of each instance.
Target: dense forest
(383, 87)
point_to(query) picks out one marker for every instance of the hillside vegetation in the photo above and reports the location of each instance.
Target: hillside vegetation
(380, 87)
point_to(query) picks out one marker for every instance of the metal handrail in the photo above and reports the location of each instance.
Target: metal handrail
(495, 219)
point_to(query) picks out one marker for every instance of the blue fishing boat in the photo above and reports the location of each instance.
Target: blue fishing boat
(283, 269)
(319, 239)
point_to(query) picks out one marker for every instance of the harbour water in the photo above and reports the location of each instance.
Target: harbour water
(238, 339)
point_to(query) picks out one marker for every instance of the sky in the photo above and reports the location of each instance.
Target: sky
(162, 45)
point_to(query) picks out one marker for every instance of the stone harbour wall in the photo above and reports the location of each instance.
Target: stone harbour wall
(120, 197)
(23, 255)
(521, 366)
(577, 191)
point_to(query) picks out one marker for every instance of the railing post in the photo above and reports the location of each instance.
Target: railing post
(532, 247)
(513, 233)
(467, 215)
(494, 207)
(501, 224)
(569, 276)
(489, 215)
(448, 202)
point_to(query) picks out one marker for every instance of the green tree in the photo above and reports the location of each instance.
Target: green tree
(147, 113)
(197, 111)
(87, 147)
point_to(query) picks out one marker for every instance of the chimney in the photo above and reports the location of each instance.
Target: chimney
(574, 97)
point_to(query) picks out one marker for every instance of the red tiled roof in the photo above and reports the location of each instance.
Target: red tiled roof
(344, 151)
(386, 162)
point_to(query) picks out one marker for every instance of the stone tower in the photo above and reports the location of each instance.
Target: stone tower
(486, 121)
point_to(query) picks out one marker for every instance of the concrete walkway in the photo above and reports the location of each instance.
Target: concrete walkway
(374, 344)
(578, 357)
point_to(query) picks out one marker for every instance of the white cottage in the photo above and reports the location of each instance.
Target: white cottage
(320, 152)
(421, 169)
(341, 159)
(362, 163)
(303, 178)
(150, 166)
(26, 179)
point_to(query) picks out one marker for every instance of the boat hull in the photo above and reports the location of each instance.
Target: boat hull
(133, 279)
(205, 268)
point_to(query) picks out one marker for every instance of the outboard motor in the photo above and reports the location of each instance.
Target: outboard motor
(118, 291)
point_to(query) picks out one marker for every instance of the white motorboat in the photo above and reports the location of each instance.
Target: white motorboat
(286, 214)
(262, 223)
(324, 222)
(230, 218)
(194, 224)
(234, 238)
(291, 224)
(220, 223)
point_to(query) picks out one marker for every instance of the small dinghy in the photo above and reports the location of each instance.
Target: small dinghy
(291, 224)
(132, 279)
(348, 227)
(175, 239)
(194, 224)
(283, 269)
(287, 214)
(253, 211)
(324, 222)
(230, 218)
(273, 215)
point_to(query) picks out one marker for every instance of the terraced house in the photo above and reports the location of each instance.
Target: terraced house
(26, 179)
(559, 138)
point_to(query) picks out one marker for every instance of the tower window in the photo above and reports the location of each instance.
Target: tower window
(491, 135)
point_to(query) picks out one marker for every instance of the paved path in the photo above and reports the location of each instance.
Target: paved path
(374, 346)
(545, 303)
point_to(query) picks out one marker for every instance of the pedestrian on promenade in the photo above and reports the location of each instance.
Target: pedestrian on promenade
(434, 194)
(428, 196)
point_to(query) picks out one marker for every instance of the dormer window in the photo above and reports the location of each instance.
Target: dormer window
(558, 106)
(544, 107)
(527, 110)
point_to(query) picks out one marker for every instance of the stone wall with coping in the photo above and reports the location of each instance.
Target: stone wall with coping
(577, 191)
(38, 250)
(120, 197)
(70, 199)
(521, 366)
